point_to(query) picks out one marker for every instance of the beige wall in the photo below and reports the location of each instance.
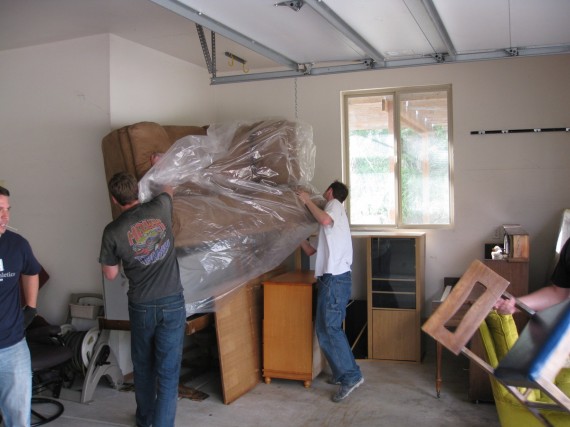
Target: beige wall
(515, 178)
(58, 101)
(146, 85)
(54, 109)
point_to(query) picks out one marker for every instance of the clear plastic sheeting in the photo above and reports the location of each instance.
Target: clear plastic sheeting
(236, 214)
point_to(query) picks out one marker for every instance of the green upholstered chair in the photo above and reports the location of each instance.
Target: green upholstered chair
(499, 333)
(533, 360)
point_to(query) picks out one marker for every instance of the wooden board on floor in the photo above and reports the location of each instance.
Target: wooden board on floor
(238, 329)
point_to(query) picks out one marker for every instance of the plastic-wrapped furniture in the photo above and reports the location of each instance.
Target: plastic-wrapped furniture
(236, 219)
(236, 215)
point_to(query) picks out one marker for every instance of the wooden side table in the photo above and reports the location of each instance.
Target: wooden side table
(288, 332)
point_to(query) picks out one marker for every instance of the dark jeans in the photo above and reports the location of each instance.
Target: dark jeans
(157, 334)
(333, 293)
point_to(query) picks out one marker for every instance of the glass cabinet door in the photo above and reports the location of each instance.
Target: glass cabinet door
(393, 262)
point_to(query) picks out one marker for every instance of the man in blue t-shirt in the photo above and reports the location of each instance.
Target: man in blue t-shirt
(17, 262)
(141, 239)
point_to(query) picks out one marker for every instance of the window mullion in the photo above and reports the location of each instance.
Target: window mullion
(398, 162)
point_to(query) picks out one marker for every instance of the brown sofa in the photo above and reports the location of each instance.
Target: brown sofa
(129, 148)
(236, 215)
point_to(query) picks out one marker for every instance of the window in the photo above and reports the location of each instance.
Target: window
(398, 157)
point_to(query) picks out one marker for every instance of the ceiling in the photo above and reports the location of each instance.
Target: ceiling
(301, 37)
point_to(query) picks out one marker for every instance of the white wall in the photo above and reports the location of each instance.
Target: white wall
(499, 179)
(147, 85)
(54, 110)
(57, 101)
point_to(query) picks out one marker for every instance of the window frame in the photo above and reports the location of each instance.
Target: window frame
(396, 92)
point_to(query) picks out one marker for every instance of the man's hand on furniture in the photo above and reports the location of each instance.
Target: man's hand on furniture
(303, 196)
(155, 157)
(505, 306)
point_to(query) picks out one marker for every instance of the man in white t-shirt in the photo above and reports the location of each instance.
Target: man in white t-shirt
(334, 283)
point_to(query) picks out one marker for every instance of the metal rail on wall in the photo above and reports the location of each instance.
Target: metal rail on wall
(535, 130)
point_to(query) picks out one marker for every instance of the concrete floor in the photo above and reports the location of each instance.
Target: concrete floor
(394, 394)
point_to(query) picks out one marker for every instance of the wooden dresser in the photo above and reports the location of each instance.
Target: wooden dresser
(290, 347)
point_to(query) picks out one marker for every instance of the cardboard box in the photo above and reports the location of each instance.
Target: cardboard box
(516, 243)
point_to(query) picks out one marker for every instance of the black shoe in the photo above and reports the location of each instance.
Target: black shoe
(345, 390)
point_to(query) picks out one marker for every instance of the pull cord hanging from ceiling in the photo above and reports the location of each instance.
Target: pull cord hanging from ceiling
(296, 101)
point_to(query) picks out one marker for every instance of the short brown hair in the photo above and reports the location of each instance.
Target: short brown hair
(340, 191)
(124, 188)
(4, 192)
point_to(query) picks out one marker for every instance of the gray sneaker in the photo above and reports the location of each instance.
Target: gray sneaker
(333, 381)
(345, 390)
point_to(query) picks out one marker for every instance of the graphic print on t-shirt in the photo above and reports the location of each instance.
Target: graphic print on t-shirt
(148, 241)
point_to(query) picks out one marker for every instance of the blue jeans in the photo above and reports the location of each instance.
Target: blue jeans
(157, 335)
(16, 385)
(333, 293)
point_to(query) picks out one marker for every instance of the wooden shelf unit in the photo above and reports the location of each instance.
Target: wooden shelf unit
(395, 283)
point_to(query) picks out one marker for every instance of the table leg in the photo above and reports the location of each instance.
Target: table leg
(438, 380)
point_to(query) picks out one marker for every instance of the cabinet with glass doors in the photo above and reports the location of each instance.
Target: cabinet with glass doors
(395, 282)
